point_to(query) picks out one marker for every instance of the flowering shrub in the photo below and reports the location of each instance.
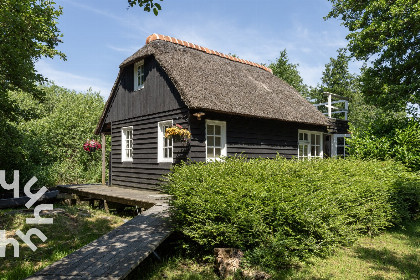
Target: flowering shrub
(91, 146)
(177, 133)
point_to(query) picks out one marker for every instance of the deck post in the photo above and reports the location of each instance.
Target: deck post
(103, 140)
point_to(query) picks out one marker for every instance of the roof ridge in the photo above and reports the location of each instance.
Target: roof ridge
(173, 40)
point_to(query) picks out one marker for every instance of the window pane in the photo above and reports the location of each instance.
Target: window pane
(217, 152)
(340, 150)
(313, 139)
(305, 150)
(340, 141)
(218, 130)
(305, 136)
(210, 152)
(313, 150)
(218, 141)
(300, 136)
(210, 140)
(210, 129)
(318, 139)
(170, 152)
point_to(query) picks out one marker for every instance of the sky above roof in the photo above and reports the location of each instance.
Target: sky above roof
(99, 35)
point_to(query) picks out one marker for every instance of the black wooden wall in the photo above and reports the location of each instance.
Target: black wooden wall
(158, 94)
(143, 109)
(250, 137)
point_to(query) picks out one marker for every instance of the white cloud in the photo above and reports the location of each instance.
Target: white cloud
(124, 50)
(73, 81)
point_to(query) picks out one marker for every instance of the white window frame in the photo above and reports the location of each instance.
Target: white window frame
(138, 85)
(124, 139)
(308, 143)
(161, 142)
(223, 146)
(334, 144)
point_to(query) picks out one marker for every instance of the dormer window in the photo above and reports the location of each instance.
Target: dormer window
(139, 75)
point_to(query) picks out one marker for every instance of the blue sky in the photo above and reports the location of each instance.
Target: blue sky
(99, 35)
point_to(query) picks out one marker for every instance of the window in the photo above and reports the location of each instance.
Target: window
(139, 75)
(165, 145)
(339, 144)
(215, 140)
(310, 144)
(127, 144)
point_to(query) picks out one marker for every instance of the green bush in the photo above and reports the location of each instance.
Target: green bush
(280, 211)
(401, 143)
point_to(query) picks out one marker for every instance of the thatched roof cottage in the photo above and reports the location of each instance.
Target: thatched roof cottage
(229, 105)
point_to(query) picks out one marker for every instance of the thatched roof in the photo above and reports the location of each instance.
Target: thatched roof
(209, 80)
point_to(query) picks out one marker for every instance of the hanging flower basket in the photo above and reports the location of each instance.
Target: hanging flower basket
(91, 146)
(177, 133)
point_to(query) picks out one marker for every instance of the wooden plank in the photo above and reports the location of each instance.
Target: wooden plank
(116, 254)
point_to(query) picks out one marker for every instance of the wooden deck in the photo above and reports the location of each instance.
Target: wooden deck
(116, 254)
(134, 197)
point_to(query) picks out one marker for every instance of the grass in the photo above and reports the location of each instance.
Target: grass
(72, 228)
(392, 255)
(395, 254)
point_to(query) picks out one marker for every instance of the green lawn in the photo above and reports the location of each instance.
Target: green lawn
(394, 254)
(72, 228)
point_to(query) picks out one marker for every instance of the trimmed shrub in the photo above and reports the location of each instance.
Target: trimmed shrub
(280, 211)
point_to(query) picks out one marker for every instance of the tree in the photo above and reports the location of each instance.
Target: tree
(148, 5)
(28, 32)
(288, 72)
(47, 137)
(336, 77)
(387, 33)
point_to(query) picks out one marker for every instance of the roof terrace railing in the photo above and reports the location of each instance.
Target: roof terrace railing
(333, 109)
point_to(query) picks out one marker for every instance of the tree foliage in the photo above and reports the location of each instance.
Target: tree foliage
(288, 72)
(28, 32)
(388, 34)
(46, 139)
(147, 5)
(336, 77)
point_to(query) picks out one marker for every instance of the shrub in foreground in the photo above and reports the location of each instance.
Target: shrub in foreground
(280, 211)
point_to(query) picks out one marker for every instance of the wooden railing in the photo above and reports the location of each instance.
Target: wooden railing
(331, 110)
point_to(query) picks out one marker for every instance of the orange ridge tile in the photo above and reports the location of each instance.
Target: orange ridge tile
(173, 40)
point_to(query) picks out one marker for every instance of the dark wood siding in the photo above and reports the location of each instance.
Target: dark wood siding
(143, 109)
(158, 95)
(145, 171)
(250, 137)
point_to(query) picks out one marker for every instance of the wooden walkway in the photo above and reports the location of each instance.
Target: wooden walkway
(116, 254)
(134, 197)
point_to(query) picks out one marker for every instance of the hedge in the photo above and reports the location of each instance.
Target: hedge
(280, 211)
